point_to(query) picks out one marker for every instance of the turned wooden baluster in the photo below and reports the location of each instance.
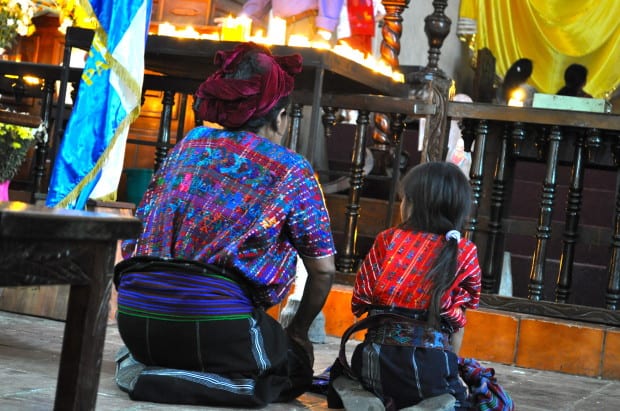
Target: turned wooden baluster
(573, 209)
(293, 135)
(594, 146)
(181, 118)
(492, 267)
(518, 137)
(163, 138)
(612, 296)
(42, 146)
(346, 262)
(329, 121)
(397, 126)
(468, 133)
(543, 231)
(390, 49)
(436, 26)
(475, 177)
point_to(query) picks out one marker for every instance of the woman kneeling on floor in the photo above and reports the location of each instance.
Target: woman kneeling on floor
(225, 218)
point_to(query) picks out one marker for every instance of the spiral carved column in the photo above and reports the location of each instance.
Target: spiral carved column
(390, 49)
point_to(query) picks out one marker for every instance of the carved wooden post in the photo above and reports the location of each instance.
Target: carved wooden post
(476, 176)
(543, 232)
(437, 27)
(492, 267)
(347, 261)
(612, 296)
(163, 138)
(573, 208)
(390, 49)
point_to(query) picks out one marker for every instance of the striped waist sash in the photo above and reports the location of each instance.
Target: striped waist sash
(181, 292)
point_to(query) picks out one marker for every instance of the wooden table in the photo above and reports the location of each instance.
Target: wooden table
(43, 246)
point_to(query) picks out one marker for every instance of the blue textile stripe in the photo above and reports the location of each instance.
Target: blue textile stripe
(91, 154)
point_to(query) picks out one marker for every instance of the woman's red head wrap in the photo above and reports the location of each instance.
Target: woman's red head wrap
(232, 102)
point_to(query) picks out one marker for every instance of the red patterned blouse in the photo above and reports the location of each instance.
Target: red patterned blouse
(392, 275)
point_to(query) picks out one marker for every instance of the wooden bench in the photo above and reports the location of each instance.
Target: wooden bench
(43, 246)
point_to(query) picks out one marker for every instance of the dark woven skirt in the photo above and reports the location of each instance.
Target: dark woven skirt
(240, 362)
(405, 375)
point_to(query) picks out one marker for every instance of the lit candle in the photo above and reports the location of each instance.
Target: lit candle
(188, 32)
(398, 77)
(165, 29)
(298, 40)
(259, 38)
(517, 98)
(231, 30)
(276, 31)
(246, 26)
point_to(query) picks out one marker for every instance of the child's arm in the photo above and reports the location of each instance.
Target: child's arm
(456, 339)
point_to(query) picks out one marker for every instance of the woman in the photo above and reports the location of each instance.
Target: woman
(224, 220)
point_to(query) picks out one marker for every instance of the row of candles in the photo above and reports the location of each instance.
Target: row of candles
(239, 29)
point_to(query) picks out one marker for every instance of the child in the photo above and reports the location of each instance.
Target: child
(424, 271)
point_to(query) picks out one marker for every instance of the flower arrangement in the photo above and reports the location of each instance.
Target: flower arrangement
(15, 19)
(15, 141)
(71, 14)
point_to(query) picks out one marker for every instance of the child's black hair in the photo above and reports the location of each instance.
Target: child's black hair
(440, 197)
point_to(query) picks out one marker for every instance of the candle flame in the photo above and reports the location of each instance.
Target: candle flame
(238, 29)
(517, 98)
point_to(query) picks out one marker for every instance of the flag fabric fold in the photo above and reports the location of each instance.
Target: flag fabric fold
(90, 159)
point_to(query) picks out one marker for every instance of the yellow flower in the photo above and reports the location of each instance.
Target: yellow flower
(15, 141)
(15, 19)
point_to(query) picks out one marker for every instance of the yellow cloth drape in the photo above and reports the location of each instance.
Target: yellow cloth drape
(553, 34)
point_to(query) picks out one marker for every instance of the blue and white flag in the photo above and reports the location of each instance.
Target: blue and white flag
(89, 162)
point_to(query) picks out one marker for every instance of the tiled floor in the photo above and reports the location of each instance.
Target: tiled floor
(30, 346)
